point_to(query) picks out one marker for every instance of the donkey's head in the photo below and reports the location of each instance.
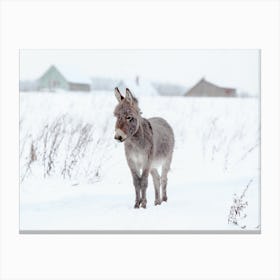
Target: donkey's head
(128, 115)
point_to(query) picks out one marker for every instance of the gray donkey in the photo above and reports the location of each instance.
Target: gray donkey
(148, 143)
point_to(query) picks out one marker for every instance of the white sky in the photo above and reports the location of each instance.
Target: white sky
(231, 68)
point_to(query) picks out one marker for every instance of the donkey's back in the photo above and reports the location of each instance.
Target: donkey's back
(163, 141)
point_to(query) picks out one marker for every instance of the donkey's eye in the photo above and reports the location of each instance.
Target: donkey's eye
(129, 119)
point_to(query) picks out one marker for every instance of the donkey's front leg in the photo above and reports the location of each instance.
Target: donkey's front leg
(135, 172)
(137, 186)
(144, 185)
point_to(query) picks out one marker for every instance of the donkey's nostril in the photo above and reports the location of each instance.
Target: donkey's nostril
(119, 138)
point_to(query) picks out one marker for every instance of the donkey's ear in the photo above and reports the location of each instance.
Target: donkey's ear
(128, 96)
(118, 95)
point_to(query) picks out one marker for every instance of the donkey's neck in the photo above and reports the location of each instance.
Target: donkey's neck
(143, 134)
(140, 132)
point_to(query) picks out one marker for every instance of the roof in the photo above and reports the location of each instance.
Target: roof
(71, 74)
(209, 83)
(203, 81)
(168, 89)
(143, 88)
(99, 83)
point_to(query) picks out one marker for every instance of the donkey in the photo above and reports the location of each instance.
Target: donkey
(148, 144)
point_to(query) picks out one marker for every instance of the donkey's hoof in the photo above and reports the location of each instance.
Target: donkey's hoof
(144, 204)
(164, 198)
(157, 202)
(138, 203)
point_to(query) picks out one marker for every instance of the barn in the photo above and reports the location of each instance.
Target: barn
(53, 80)
(206, 89)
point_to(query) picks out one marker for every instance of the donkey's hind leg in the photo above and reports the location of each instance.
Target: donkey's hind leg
(156, 180)
(165, 169)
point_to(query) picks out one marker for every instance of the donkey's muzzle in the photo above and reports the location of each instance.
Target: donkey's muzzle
(120, 135)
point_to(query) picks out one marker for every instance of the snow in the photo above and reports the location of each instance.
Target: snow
(216, 155)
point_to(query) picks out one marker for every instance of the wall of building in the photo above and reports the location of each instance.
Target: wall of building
(79, 87)
(52, 80)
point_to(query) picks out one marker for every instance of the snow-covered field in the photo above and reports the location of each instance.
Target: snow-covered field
(74, 176)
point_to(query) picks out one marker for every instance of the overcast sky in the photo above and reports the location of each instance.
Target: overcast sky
(230, 68)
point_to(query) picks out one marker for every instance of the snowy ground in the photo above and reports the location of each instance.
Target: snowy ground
(74, 175)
